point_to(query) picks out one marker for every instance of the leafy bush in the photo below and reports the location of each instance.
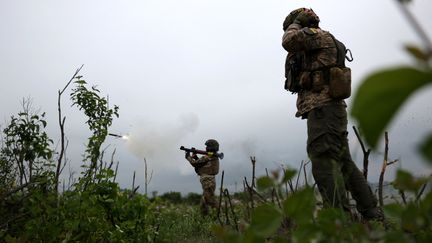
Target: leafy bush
(172, 197)
(94, 210)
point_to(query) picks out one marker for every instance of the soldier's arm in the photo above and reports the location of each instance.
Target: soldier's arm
(291, 40)
(297, 38)
(201, 161)
(190, 159)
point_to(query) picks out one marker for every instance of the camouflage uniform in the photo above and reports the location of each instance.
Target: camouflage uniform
(207, 167)
(327, 145)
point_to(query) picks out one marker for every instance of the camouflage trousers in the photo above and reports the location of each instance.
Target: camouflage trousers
(332, 166)
(208, 183)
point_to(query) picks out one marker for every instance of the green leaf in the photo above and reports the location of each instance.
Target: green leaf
(397, 237)
(412, 219)
(80, 81)
(330, 219)
(226, 234)
(10, 239)
(394, 210)
(264, 183)
(288, 174)
(266, 219)
(426, 148)
(300, 205)
(417, 53)
(406, 181)
(381, 95)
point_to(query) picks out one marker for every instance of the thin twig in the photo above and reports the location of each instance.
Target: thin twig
(133, 182)
(253, 161)
(226, 193)
(418, 196)
(286, 182)
(305, 175)
(220, 198)
(250, 193)
(115, 172)
(366, 153)
(275, 194)
(402, 193)
(291, 185)
(61, 121)
(383, 169)
(298, 175)
(413, 21)
(392, 162)
(227, 221)
(245, 202)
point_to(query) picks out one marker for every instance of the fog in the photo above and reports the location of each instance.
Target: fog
(184, 71)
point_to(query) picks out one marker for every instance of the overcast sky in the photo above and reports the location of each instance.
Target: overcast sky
(183, 71)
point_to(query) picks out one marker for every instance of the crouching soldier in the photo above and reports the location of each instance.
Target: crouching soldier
(207, 167)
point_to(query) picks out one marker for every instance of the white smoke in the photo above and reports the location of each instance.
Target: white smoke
(159, 142)
(249, 147)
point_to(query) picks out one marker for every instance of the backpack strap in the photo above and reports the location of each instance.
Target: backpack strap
(342, 52)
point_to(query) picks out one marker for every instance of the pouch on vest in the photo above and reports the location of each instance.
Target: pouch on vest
(340, 82)
(318, 81)
(292, 82)
(292, 73)
(305, 80)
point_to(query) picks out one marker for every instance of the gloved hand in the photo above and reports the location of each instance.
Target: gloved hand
(307, 18)
(302, 19)
(291, 17)
(187, 155)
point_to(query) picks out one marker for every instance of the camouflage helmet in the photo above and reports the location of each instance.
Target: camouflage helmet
(291, 17)
(307, 15)
(212, 145)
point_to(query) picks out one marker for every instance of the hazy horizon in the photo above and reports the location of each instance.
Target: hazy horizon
(186, 71)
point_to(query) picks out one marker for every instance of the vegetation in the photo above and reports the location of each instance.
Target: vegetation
(271, 208)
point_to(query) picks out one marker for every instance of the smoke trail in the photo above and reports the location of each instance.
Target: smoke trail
(249, 147)
(159, 142)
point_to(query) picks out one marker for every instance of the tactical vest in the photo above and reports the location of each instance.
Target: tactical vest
(337, 75)
(211, 167)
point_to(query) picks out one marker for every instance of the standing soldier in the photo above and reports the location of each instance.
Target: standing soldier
(315, 70)
(207, 167)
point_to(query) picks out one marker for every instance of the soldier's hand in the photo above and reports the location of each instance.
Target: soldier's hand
(306, 18)
(302, 18)
(187, 155)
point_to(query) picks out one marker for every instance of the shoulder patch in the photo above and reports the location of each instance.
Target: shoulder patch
(310, 31)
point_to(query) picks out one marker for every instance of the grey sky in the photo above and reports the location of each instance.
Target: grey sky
(183, 71)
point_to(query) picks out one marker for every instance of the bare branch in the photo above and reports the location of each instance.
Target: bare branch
(305, 175)
(61, 121)
(366, 153)
(298, 175)
(383, 169)
(226, 193)
(413, 21)
(253, 160)
(220, 198)
(392, 162)
(418, 196)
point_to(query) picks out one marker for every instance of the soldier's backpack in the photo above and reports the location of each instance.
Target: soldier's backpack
(340, 75)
